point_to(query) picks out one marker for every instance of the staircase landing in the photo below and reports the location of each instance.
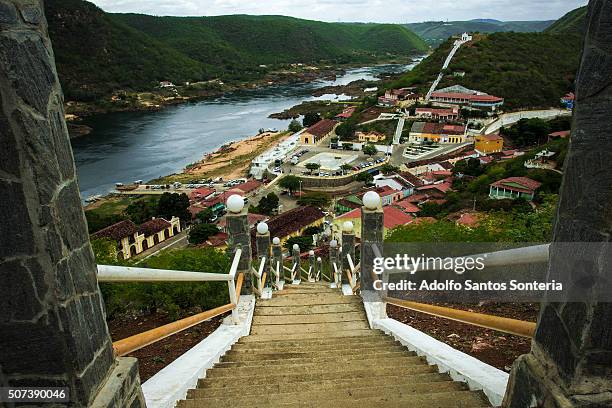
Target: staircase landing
(312, 347)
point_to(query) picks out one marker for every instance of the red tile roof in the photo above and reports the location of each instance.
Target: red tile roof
(411, 178)
(491, 137)
(468, 97)
(217, 240)
(153, 226)
(293, 220)
(393, 216)
(247, 187)
(347, 113)
(252, 219)
(469, 219)
(421, 220)
(408, 207)
(201, 192)
(563, 133)
(322, 127)
(117, 231)
(526, 185)
(443, 187)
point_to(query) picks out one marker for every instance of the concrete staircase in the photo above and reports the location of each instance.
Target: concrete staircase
(312, 347)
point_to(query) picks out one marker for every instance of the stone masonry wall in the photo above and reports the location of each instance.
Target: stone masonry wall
(570, 363)
(52, 327)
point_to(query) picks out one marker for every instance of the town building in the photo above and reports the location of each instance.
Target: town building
(393, 97)
(446, 114)
(133, 240)
(514, 187)
(293, 222)
(487, 144)
(371, 137)
(245, 188)
(318, 132)
(436, 133)
(201, 193)
(347, 113)
(393, 217)
(459, 95)
(261, 163)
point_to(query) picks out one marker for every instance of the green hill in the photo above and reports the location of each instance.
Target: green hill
(527, 69)
(573, 22)
(436, 32)
(98, 52)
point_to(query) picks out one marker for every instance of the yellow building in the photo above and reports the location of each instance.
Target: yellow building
(487, 144)
(133, 240)
(372, 137)
(436, 132)
(318, 132)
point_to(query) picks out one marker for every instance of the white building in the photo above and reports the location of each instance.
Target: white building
(261, 163)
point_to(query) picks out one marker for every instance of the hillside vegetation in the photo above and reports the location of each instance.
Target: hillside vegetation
(98, 52)
(527, 69)
(436, 32)
(573, 22)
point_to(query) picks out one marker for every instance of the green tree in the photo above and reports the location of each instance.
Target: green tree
(205, 216)
(364, 177)
(388, 169)
(369, 149)
(172, 204)
(471, 167)
(312, 167)
(310, 119)
(345, 168)
(141, 210)
(295, 126)
(315, 199)
(305, 243)
(201, 232)
(267, 204)
(291, 183)
(105, 251)
(345, 130)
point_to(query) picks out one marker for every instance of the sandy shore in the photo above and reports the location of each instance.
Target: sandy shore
(231, 160)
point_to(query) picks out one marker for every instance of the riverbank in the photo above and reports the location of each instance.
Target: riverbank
(229, 161)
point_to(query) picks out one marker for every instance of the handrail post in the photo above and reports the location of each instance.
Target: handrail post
(296, 261)
(348, 247)
(277, 260)
(372, 233)
(262, 244)
(312, 271)
(333, 259)
(319, 274)
(239, 236)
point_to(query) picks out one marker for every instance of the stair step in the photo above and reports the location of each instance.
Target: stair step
(313, 369)
(453, 399)
(321, 344)
(219, 387)
(287, 353)
(270, 310)
(328, 358)
(308, 328)
(310, 318)
(302, 299)
(404, 373)
(306, 336)
(354, 391)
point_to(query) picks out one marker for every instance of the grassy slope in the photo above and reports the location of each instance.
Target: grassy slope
(98, 53)
(573, 22)
(527, 69)
(436, 32)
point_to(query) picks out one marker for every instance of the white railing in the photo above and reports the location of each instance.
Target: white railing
(117, 274)
(259, 274)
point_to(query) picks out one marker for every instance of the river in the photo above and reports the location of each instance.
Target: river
(129, 146)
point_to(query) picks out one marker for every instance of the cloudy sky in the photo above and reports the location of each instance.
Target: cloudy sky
(392, 11)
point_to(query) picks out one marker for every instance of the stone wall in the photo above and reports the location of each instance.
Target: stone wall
(570, 363)
(52, 326)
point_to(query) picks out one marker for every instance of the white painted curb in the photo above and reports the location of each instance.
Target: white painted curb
(170, 385)
(460, 366)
